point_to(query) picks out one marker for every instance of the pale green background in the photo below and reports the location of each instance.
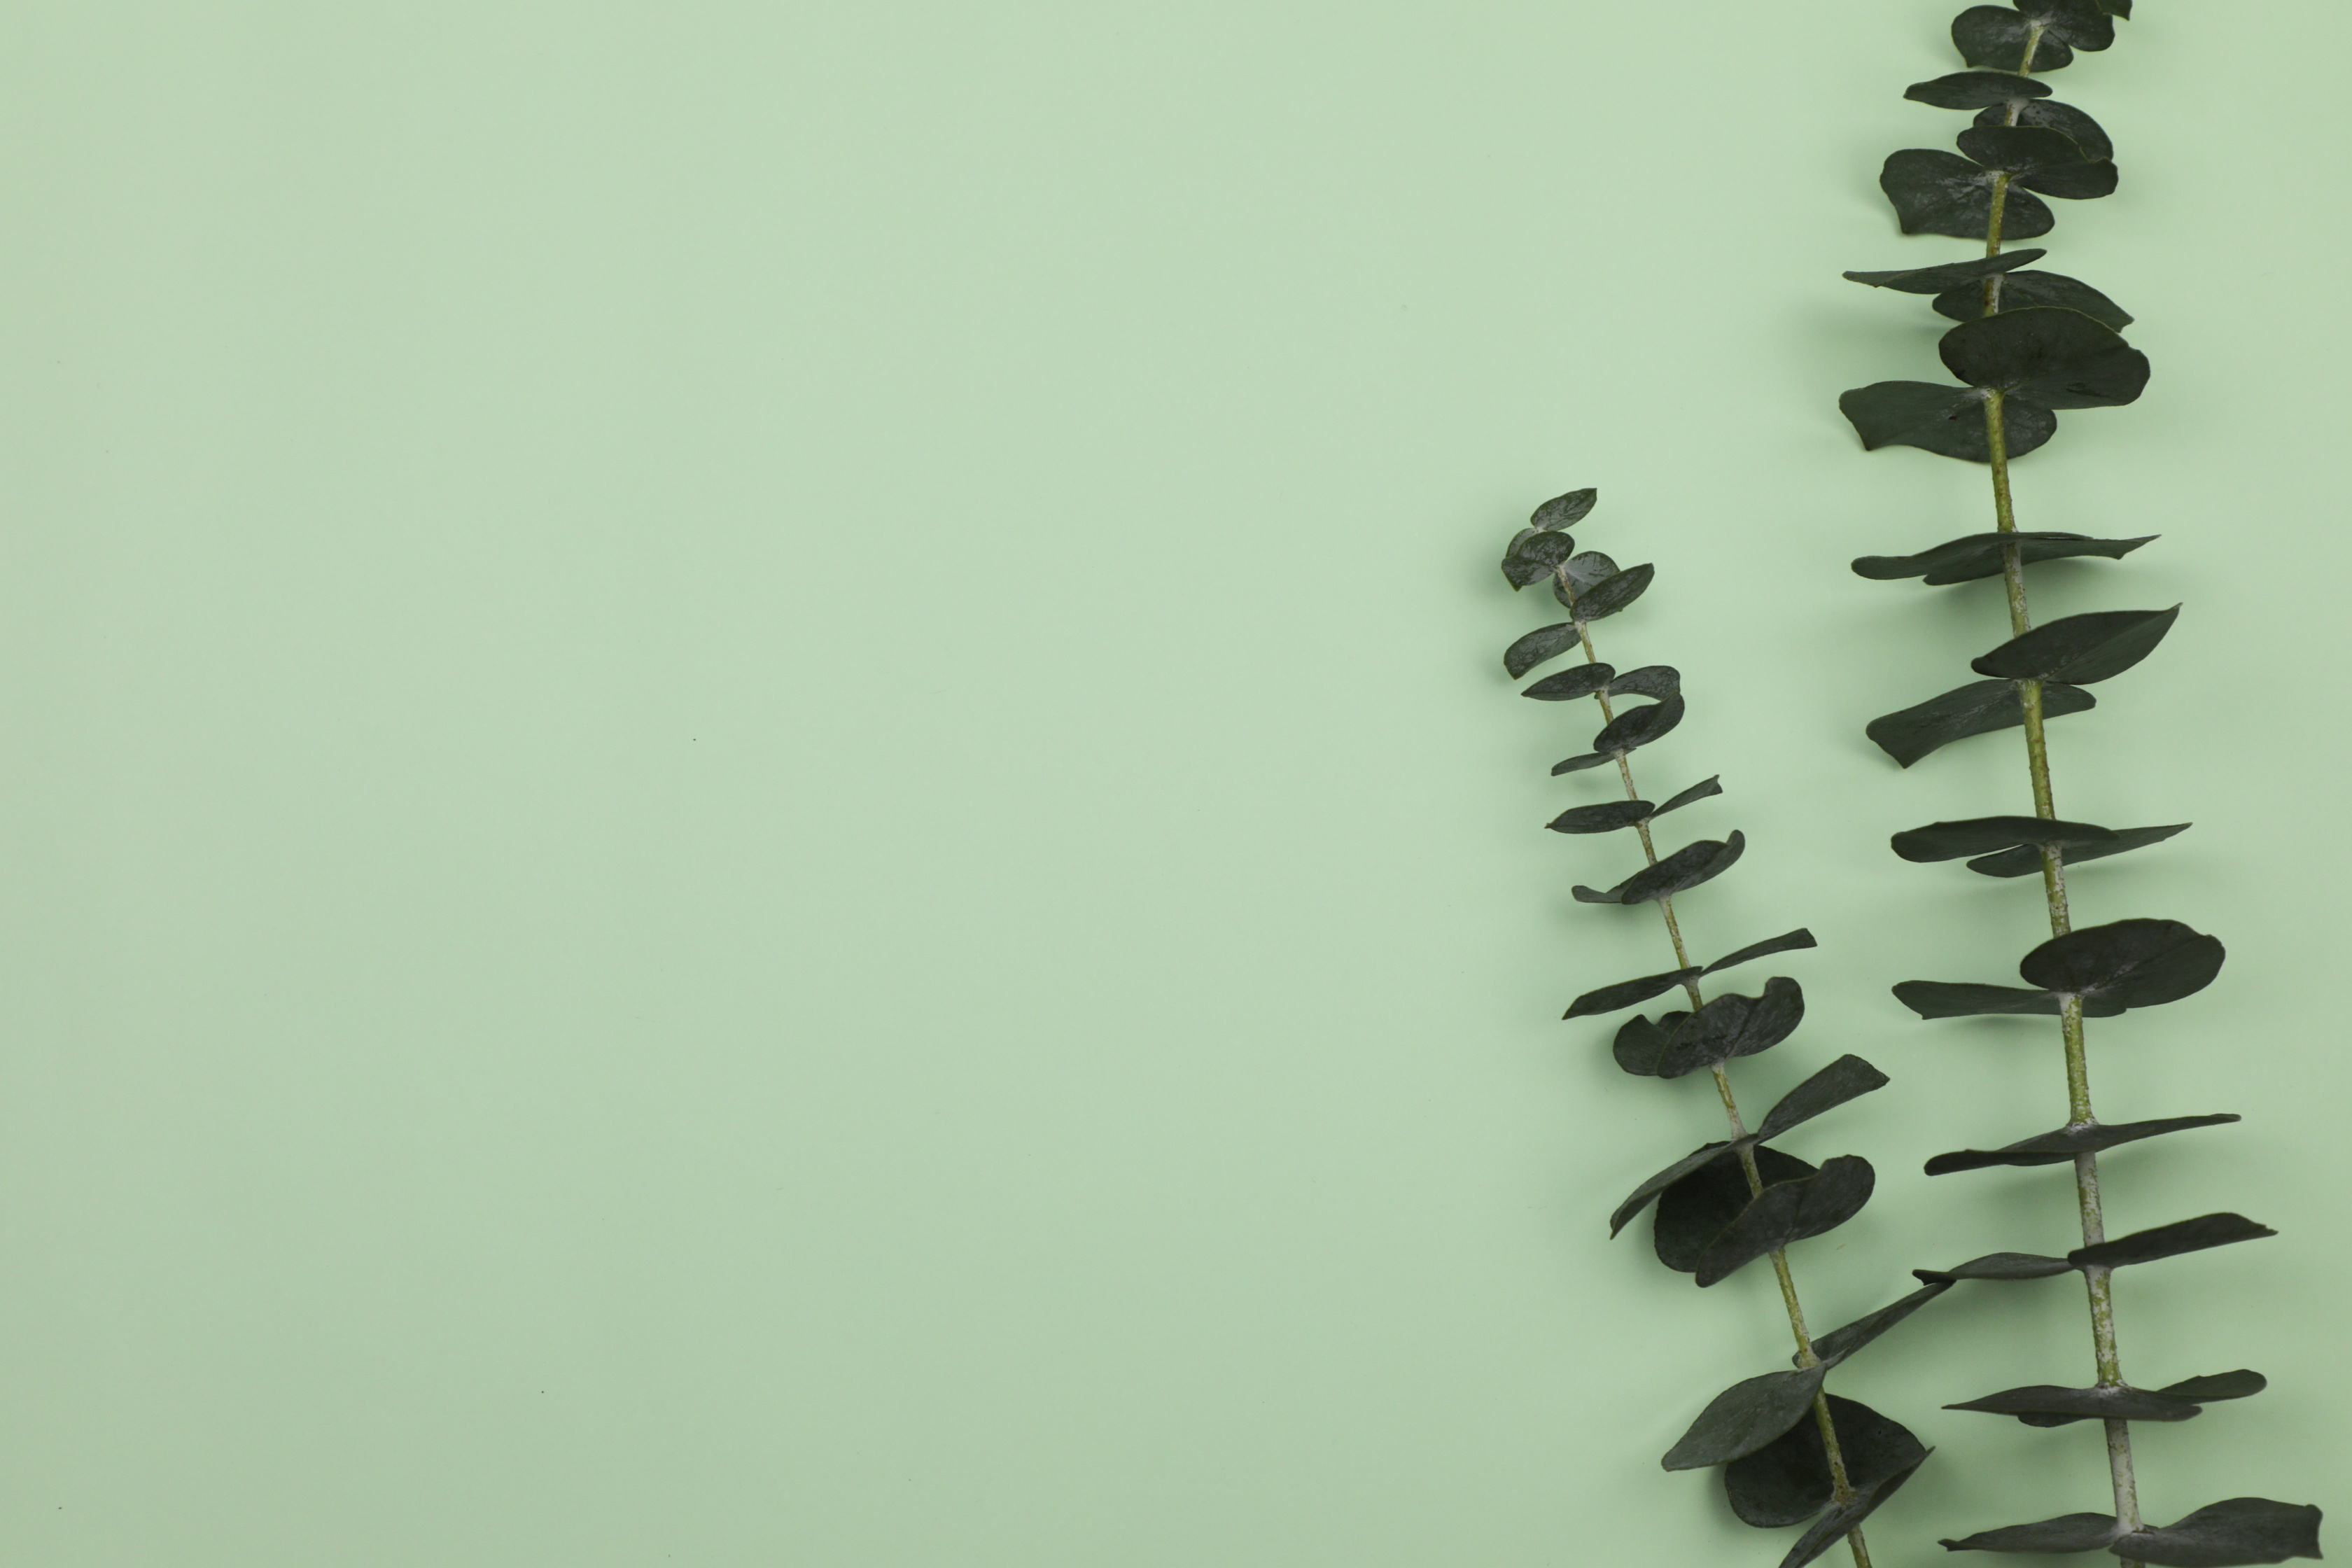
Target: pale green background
(759, 810)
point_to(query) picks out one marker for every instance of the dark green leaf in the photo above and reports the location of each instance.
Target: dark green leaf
(1582, 680)
(1789, 1212)
(2018, 148)
(1966, 999)
(2085, 181)
(2240, 1529)
(1948, 421)
(1847, 1516)
(1659, 680)
(2058, 359)
(2083, 1403)
(2024, 862)
(1787, 1481)
(1564, 512)
(2080, 649)
(1534, 557)
(2218, 1385)
(1628, 993)
(1949, 275)
(2027, 291)
(1975, 555)
(1976, 708)
(1699, 791)
(1934, 191)
(1602, 818)
(1765, 948)
(1640, 1043)
(1843, 1341)
(1639, 726)
(2062, 1146)
(1696, 1208)
(1993, 38)
(2081, 23)
(1543, 643)
(2126, 963)
(1686, 868)
(1997, 1265)
(2161, 1241)
(1698, 1159)
(2057, 115)
(1577, 764)
(1978, 90)
(1733, 1026)
(1613, 593)
(1848, 1077)
(1981, 834)
(2068, 1532)
(1588, 568)
(1745, 1416)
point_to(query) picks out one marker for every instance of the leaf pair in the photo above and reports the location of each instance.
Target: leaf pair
(2064, 655)
(1999, 164)
(1629, 993)
(2037, 361)
(1848, 1077)
(2110, 968)
(2150, 1245)
(2243, 1529)
(1977, 556)
(2035, 35)
(2011, 846)
(2062, 1146)
(1729, 1027)
(1685, 868)
(2043, 1405)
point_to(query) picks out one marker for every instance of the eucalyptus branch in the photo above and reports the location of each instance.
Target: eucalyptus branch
(1733, 1201)
(2028, 345)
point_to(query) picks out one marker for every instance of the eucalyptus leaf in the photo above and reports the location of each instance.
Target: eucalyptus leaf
(1934, 191)
(1981, 834)
(1613, 593)
(1975, 555)
(1698, 1159)
(2239, 1529)
(1979, 708)
(1542, 644)
(1699, 791)
(1605, 817)
(2172, 1241)
(2084, 181)
(2083, 1403)
(1848, 1077)
(2025, 290)
(1640, 1042)
(1788, 1482)
(1788, 1211)
(2067, 1532)
(1733, 1026)
(2080, 649)
(1628, 993)
(1577, 764)
(2062, 1146)
(2083, 23)
(2024, 862)
(1997, 1265)
(1789, 942)
(1978, 90)
(1947, 275)
(1563, 511)
(1698, 1207)
(1534, 557)
(1847, 1516)
(1581, 680)
(2038, 158)
(2128, 963)
(1843, 1340)
(1639, 726)
(1993, 38)
(2197, 1390)
(1948, 421)
(1659, 680)
(1745, 1416)
(1588, 567)
(1969, 999)
(1686, 868)
(2058, 359)
(2057, 115)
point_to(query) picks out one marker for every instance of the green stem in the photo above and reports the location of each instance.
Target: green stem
(1840, 1483)
(2099, 1282)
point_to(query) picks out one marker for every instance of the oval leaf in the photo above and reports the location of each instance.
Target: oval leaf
(1992, 37)
(1978, 90)
(1788, 1480)
(1536, 556)
(1976, 555)
(1638, 727)
(2062, 1146)
(2025, 861)
(1843, 1341)
(2080, 649)
(1934, 191)
(1745, 1416)
(1951, 274)
(2238, 1530)
(2018, 148)
(2085, 24)
(1542, 644)
(1628, 993)
(2068, 1532)
(1847, 1516)
(2058, 359)
(1968, 999)
(1686, 868)
(1605, 817)
(2128, 963)
(1582, 680)
(1697, 1208)
(2025, 290)
(1848, 1077)
(1640, 1043)
(1981, 834)
(1792, 940)
(2082, 1404)
(2057, 116)
(1789, 1212)
(2172, 1241)
(1699, 791)
(1563, 511)
(1979, 708)
(1658, 681)
(1948, 421)
(1733, 1026)
(1613, 593)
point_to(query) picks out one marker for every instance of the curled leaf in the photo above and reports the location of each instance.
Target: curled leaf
(1745, 1416)
(1697, 1207)
(1997, 1265)
(2172, 1241)
(1686, 868)
(1640, 1043)
(1975, 555)
(1949, 275)
(2068, 1532)
(1698, 1159)
(1628, 993)
(1788, 1482)
(2239, 1529)
(1847, 1516)
(2025, 861)
(1613, 593)
(1605, 817)
(2062, 1146)
(1581, 680)
(1992, 37)
(1542, 644)
(2221, 1385)
(1979, 708)
(1966, 999)
(1658, 681)
(1789, 1212)
(2080, 649)
(1534, 557)
(2082, 1404)
(1733, 1026)
(1848, 1077)
(1639, 726)
(1699, 791)
(1577, 764)
(1843, 1341)
(1789, 942)
(2057, 116)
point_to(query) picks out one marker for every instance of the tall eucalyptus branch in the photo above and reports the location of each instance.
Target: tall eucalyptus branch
(2028, 345)
(1790, 1451)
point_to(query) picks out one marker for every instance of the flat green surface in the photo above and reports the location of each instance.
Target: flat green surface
(760, 809)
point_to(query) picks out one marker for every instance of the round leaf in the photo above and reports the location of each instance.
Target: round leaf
(1788, 1482)
(1696, 1208)
(1936, 192)
(1582, 680)
(2080, 649)
(2222, 1534)
(1948, 421)
(1995, 38)
(1745, 1416)
(2050, 114)
(2059, 359)
(2130, 963)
